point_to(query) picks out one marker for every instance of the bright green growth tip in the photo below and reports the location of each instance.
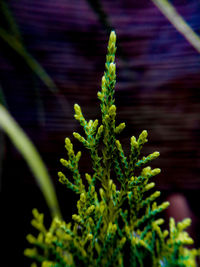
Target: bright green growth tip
(117, 220)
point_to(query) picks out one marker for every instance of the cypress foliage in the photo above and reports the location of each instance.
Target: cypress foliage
(115, 225)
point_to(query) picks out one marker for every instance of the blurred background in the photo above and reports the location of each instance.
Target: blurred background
(52, 55)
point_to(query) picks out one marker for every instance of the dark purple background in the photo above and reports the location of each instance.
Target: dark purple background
(158, 89)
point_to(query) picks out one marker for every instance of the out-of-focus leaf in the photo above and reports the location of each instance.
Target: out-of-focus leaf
(12, 36)
(15, 44)
(179, 23)
(12, 25)
(12, 28)
(32, 157)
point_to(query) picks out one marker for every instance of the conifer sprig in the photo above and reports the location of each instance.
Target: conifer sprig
(117, 221)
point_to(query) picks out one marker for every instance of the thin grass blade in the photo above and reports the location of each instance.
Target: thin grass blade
(32, 157)
(15, 44)
(178, 22)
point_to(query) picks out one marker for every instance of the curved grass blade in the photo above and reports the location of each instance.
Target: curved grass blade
(12, 36)
(32, 157)
(15, 44)
(18, 46)
(12, 25)
(178, 22)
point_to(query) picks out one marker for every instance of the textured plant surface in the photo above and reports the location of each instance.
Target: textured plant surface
(117, 221)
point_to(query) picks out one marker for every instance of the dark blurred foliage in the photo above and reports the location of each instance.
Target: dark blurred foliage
(158, 89)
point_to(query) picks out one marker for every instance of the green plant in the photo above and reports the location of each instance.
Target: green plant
(32, 157)
(170, 12)
(12, 37)
(117, 221)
